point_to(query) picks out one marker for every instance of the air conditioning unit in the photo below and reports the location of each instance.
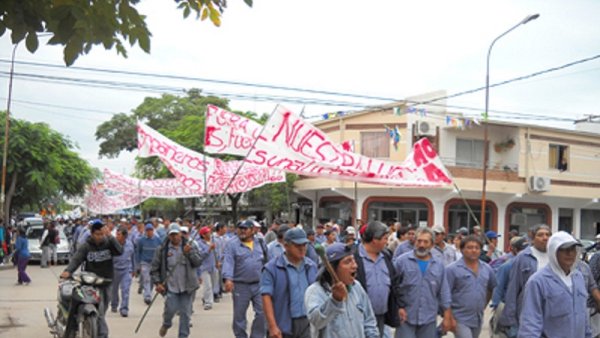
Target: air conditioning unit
(539, 183)
(518, 219)
(425, 129)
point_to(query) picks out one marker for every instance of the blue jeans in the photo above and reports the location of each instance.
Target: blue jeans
(178, 303)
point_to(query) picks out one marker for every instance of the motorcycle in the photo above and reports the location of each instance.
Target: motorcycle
(78, 307)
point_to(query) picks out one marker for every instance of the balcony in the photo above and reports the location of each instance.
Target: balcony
(496, 170)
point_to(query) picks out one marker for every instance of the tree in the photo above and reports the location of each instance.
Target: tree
(78, 25)
(180, 118)
(41, 166)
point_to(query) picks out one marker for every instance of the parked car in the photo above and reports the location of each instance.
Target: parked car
(34, 234)
(589, 248)
(29, 221)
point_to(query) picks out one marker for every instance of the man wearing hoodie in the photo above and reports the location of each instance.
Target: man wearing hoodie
(554, 304)
(97, 253)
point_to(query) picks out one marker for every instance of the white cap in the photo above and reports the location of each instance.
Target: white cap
(123, 219)
(598, 236)
(185, 229)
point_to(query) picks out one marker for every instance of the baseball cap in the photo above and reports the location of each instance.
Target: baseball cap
(438, 229)
(174, 228)
(204, 230)
(296, 236)
(337, 251)
(245, 224)
(492, 234)
(463, 231)
(185, 229)
(351, 230)
(123, 219)
(149, 226)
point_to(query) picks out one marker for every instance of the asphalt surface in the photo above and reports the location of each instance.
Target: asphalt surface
(21, 310)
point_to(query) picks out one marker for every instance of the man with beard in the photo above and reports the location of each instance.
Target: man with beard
(339, 307)
(472, 283)
(243, 260)
(554, 302)
(424, 289)
(527, 262)
(97, 253)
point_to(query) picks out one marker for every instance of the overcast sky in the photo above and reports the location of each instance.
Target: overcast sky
(391, 49)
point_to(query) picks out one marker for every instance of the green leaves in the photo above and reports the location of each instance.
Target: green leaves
(78, 25)
(42, 164)
(32, 42)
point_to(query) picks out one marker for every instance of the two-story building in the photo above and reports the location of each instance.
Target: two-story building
(536, 174)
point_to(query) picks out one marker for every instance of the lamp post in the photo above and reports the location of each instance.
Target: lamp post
(485, 116)
(7, 128)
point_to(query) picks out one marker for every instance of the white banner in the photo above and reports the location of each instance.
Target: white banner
(194, 170)
(291, 144)
(100, 202)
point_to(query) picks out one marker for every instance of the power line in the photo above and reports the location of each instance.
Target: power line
(288, 99)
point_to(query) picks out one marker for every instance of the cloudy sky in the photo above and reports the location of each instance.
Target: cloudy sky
(389, 50)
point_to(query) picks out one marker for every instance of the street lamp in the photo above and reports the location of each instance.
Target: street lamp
(7, 127)
(485, 116)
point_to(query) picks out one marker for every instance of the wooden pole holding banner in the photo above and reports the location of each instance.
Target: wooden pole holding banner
(249, 151)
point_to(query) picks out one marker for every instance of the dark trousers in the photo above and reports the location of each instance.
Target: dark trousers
(300, 328)
(22, 276)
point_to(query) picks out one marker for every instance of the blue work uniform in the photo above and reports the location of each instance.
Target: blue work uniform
(422, 293)
(552, 310)
(524, 266)
(123, 267)
(470, 292)
(286, 284)
(243, 266)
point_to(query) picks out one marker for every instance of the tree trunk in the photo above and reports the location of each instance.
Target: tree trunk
(234, 198)
(8, 197)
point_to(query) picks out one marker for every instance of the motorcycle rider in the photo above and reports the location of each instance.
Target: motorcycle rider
(96, 253)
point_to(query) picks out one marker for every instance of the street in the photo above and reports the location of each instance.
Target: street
(21, 310)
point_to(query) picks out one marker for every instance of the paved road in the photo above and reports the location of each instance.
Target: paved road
(21, 310)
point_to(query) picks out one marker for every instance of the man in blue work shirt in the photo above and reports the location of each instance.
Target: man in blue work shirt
(276, 247)
(283, 283)
(123, 266)
(527, 262)
(376, 273)
(146, 246)
(472, 282)
(424, 289)
(554, 302)
(243, 260)
(408, 245)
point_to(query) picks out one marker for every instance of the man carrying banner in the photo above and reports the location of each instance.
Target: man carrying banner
(243, 260)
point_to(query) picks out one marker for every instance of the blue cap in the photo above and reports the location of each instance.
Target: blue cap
(491, 234)
(337, 251)
(149, 226)
(296, 236)
(245, 224)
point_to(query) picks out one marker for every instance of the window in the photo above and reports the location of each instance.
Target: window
(406, 212)
(558, 156)
(375, 144)
(459, 216)
(469, 153)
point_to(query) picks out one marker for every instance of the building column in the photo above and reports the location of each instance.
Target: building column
(576, 222)
(555, 215)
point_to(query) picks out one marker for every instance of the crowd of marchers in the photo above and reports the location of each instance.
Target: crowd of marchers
(369, 280)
